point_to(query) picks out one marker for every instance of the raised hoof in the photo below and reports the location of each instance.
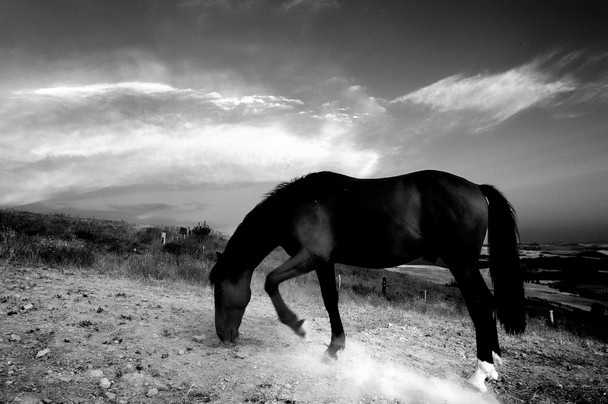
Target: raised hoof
(298, 328)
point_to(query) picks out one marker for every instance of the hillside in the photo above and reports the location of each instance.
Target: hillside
(77, 336)
(144, 321)
(108, 246)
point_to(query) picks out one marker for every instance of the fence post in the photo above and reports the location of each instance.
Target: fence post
(551, 319)
(163, 237)
(384, 286)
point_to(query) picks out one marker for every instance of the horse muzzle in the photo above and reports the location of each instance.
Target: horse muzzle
(228, 337)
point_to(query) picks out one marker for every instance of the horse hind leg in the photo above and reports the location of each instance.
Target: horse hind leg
(480, 304)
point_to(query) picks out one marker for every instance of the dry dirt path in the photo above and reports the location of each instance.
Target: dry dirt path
(79, 337)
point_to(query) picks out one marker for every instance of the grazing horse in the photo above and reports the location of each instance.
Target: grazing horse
(326, 218)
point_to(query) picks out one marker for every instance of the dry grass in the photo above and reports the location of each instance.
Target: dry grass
(106, 247)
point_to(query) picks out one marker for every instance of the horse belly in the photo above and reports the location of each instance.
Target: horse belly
(381, 247)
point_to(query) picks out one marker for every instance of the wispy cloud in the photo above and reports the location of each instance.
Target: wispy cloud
(101, 89)
(311, 5)
(84, 138)
(493, 97)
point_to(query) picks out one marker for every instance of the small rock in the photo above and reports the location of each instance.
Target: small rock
(96, 373)
(111, 396)
(152, 392)
(164, 356)
(133, 379)
(15, 338)
(27, 307)
(27, 398)
(181, 352)
(105, 383)
(42, 353)
(198, 338)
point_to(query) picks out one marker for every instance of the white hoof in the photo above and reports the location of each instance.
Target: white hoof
(497, 359)
(485, 371)
(479, 377)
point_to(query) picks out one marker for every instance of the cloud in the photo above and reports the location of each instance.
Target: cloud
(254, 102)
(101, 89)
(310, 5)
(82, 138)
(492, 97)
(118, 95)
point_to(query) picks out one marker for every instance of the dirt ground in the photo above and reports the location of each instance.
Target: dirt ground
(71, 336)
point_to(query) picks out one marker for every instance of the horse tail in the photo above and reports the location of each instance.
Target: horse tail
(505, 270)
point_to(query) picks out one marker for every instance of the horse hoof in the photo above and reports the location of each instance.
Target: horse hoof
(338, 343)
(299, 328)
(478, 385)
(496, 359)
(484, 371)
(329, 357)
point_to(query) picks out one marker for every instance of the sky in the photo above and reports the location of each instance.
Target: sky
(178, 112)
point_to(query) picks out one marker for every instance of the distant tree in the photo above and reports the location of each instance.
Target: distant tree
(201, 231)
(175, 249)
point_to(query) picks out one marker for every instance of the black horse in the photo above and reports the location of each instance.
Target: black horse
(326, 218)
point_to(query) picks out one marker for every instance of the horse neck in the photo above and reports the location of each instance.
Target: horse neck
(252, 241)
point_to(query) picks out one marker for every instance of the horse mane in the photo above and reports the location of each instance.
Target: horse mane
(280, 191)
(283, 196)
(275, 202)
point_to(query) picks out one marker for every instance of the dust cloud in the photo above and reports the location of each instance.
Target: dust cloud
(356, 376)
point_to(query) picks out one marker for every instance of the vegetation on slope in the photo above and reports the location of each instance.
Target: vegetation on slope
(118, 248)
(108, 246)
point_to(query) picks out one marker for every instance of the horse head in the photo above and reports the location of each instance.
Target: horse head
(232, 293)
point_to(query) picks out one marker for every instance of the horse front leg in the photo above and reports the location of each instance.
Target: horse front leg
(297, 265)
(327, 281)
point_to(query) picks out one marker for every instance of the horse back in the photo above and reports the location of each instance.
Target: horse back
(387, 221)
